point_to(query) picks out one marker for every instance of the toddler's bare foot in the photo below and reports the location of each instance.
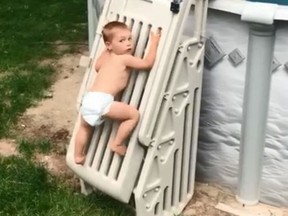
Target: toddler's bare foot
(79, 160)
(119, 149)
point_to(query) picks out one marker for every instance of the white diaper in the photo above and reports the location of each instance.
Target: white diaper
(94, 106)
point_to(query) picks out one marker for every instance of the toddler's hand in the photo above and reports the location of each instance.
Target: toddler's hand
(155, 37)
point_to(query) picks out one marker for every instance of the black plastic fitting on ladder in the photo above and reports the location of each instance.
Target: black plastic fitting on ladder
(175, 6)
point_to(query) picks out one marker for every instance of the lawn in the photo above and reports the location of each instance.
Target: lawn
(27, 189)
(31, 31)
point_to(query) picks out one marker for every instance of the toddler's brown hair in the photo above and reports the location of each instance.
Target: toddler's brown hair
(107, 31)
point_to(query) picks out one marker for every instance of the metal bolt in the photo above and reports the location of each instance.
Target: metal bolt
(174, 98)
(190, 63)
(176, 111)
(185, 94)
(156, 189)
(171, 142)
(145, 195)
(159, 147)
(189, 48)
(162, 159)
(147, 206)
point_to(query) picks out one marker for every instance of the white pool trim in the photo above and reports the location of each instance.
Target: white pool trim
(237, 6)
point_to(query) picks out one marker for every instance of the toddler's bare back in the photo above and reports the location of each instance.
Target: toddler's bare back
(112, 76)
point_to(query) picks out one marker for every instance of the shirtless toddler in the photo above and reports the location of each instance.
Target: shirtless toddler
(113, 67)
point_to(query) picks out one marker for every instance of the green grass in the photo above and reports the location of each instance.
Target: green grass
(19, 90)
(28, 148)
(29, 26)
(27, 189)
(30, 32)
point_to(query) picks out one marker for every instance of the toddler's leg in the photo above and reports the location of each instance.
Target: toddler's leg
(81, 139)
(128, 117)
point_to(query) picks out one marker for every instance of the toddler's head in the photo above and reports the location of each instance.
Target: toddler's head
(117, 37)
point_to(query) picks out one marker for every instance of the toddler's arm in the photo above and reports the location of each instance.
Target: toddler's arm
(148, 61)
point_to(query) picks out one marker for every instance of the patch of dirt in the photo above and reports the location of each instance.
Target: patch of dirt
(204, 200)
(53, 118)
(59, 109)
(7, 147)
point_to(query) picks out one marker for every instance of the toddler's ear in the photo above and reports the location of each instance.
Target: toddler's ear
(108, 45)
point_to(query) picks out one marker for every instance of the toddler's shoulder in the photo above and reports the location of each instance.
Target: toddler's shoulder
(127, 57)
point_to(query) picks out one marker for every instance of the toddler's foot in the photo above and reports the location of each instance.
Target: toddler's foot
(119, 149)
(79, 160)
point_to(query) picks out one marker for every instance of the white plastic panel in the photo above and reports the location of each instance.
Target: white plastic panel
(104, 170)
(237, 7)
(166, 183)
